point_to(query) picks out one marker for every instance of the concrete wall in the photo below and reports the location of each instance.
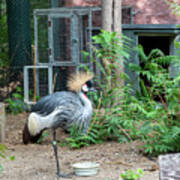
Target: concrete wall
(148, 11)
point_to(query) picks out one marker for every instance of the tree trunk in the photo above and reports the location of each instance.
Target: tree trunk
(2, 122)
(117, 18)
(107, 8)
(112, 22)
(112, 15)
(117, 27)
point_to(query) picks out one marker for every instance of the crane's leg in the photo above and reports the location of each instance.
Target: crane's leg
(56, 156)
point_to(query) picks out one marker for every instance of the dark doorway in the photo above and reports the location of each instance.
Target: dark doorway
(149, 43)
(152, 42)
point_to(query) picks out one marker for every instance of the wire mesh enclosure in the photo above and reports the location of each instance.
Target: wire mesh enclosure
(127, 15)
(66, 29)
(60, 36)
(36, 82)
(10, 79)
(42, 34)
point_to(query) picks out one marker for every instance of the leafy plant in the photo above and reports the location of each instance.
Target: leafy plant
(151, 117)
(3, 155)
(158, 108)
(131, 175)
(174, 6)
(1, 168)
(106, 123)
(3, 37)
(44, 134)
(156, 113)
(3, 148)
(109, 50)
(15, 103)
(154, 63)
(77, 139)
(112, 49)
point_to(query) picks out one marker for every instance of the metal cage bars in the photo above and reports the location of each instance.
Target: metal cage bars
(75, 15)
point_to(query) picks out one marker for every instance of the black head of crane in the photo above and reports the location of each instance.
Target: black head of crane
(61, 109)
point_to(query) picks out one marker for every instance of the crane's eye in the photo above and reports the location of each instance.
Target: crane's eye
(89, 84)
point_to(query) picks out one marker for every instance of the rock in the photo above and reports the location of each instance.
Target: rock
(169, 167)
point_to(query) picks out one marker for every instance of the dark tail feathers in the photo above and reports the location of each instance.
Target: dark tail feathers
(27, 138)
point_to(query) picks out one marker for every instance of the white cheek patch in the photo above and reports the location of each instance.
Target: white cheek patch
(85, 88)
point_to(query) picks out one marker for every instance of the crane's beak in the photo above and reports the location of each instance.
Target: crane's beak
(92, 89)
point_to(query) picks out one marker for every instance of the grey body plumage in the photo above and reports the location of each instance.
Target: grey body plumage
(61, 109)
(71, 109)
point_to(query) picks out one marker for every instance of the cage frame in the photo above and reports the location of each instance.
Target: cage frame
(26, 81)
(63, 12)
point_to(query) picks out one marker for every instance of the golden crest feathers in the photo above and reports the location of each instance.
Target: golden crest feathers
(77, 80)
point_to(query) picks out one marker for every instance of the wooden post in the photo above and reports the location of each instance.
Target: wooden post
(34, 74)
(2, 122)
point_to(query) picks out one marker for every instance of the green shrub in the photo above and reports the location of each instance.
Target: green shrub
(16, 102)
(131, 175)
(158, 104)
(44, 134)
(106, 123)
(3, 155)
(4, 62)
(152, 116)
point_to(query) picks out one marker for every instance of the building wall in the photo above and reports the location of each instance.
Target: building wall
(83, 2)
(147, 11)
(152, 12)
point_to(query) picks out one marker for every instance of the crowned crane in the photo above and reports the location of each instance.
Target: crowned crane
(61, 109)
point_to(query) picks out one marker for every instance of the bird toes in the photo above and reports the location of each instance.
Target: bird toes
(64, 175)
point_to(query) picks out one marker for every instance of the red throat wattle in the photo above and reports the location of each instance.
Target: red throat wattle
(85, 95)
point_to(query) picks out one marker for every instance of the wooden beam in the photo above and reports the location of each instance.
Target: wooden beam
(2, 122)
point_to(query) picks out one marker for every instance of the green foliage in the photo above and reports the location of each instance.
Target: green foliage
(4, 60)
(40, 4)
(111, 45)
(131, 175)
(77, 139)
(1, 168)
(157, 108)
(111, 51)
(15, 103)
(44, 134)
(106, 123)
(174, 6)
(151, 68)
(152, 116)
(3, 155)
(3, 148)
(42, 28)
(3, 37)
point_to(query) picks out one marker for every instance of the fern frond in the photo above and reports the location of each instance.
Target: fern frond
(154, 53)
(165, 60)
(141, 53)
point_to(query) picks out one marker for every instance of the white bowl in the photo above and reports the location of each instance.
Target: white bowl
(85, 168)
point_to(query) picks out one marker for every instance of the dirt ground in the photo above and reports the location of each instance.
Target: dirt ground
(37, 162)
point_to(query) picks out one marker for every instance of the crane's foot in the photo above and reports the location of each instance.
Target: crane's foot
(64, 175)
